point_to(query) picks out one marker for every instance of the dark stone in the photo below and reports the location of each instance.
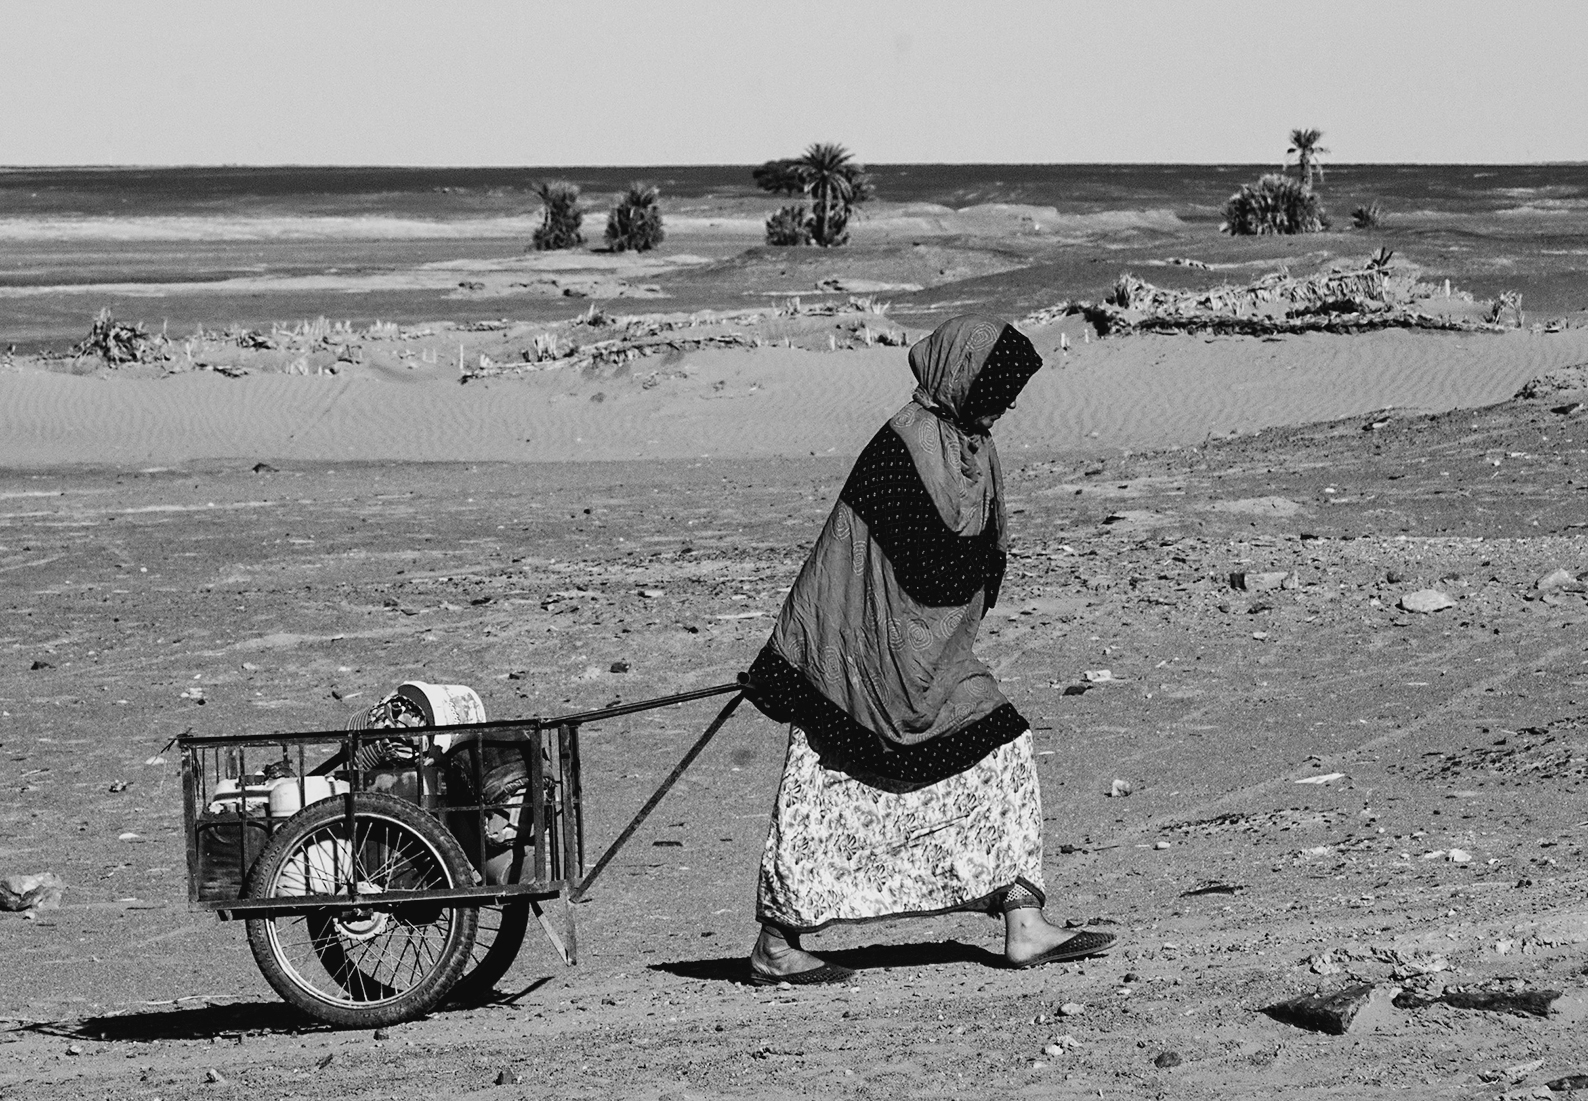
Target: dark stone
(1568, 1083)
(507, 1078)
(1168, 1059)
(1522, 1003)
(1331, 1013)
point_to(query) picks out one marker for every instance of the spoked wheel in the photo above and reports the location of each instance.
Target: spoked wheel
(374, 965)
(496, 946)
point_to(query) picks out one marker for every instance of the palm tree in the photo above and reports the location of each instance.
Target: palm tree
(1304, 146)
(830, 176)
(835, 184)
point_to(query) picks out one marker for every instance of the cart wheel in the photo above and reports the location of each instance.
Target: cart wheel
(375, 965)
(496, 946)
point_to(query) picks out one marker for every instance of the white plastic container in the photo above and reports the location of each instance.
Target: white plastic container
(229, 795)
(290, 794)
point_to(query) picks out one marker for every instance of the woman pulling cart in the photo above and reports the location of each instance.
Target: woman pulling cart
(910, 787)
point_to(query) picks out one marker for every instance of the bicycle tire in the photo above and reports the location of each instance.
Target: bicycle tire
(339, 967)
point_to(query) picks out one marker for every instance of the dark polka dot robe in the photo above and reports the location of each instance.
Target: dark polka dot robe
(872, 653)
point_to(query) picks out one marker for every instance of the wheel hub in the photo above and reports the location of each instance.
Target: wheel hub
(362, 924)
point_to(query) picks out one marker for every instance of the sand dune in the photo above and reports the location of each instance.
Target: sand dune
(1137, 392)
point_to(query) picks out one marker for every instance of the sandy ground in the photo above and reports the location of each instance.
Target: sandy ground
(500, 533)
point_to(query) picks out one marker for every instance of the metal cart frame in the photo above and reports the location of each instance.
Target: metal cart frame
(226, 851)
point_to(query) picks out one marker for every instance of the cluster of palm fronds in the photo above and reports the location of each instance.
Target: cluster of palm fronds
(1274, 204)
(635, 223)
(855, 303)
(1367, 216)
(828, 175)
(1364, 290)
(788, 225)
(117, 342)
(639, 338)
(1373, 296)
(561, 216)
(1507, 308)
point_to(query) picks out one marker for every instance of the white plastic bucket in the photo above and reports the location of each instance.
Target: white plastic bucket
(445, 705)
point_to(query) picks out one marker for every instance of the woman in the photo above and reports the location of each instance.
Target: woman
(909, 786)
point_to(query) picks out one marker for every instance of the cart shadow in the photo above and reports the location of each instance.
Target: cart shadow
(209, 1022)
(875, 957)
(232, 1020)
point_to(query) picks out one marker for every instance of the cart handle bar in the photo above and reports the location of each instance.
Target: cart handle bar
(575, 719)
(583, 886)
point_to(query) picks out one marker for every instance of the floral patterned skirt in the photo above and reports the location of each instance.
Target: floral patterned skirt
(844, 849)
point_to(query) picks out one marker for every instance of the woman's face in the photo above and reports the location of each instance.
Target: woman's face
(985, 421)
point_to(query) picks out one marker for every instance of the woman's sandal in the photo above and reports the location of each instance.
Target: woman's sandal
(815, 976)
(1078, 947)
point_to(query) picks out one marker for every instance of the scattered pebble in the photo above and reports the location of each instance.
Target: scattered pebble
(1426, 601)
(214, 1076)
(382, 1033)
(1119, 789)
(1258, 582)
(31, 893)
(74, 1049)
(1160, 845)
(1556, 580)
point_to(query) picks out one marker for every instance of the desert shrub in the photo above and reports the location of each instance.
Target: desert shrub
(561, 216)
(117, 342)
(1507, 309)
(1368, 216)
(1274, 204)
(788, 226)
(635, 223)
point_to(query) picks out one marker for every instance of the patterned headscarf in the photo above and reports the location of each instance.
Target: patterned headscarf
(970, 365)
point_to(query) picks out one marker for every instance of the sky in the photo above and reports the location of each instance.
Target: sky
(636, 82)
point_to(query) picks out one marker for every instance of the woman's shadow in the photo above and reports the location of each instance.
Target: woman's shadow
(736, 969)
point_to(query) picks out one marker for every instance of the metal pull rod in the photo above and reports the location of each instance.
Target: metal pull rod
(650, 805)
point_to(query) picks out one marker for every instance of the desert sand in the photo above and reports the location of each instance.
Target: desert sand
(1326, 788)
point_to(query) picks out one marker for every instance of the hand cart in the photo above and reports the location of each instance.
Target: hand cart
(380, 872)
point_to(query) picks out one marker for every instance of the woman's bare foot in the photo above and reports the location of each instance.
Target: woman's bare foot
(1028, 934)
(778, 953)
